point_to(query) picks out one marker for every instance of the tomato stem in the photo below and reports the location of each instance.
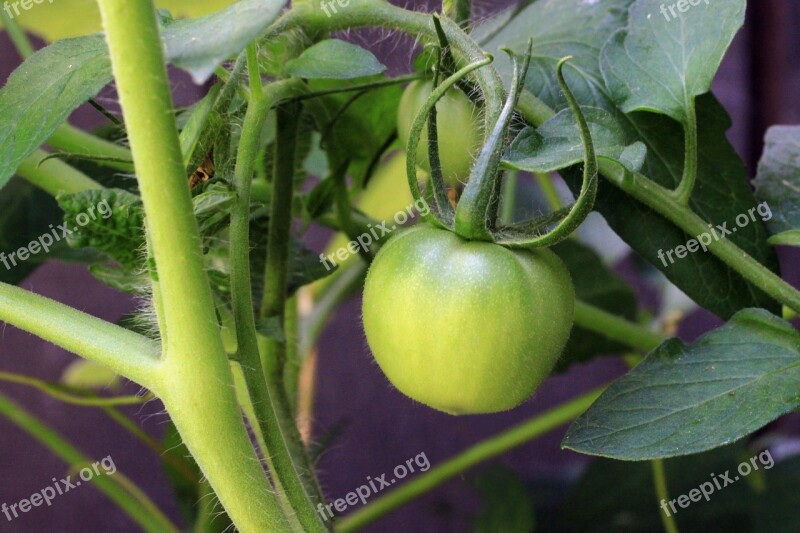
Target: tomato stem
(194, 378)
(477, 208)
(483, 451)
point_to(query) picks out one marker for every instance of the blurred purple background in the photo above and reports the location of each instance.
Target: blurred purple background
(379, 427)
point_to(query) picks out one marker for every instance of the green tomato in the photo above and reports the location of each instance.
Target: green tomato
(466, 326)
(459, 129)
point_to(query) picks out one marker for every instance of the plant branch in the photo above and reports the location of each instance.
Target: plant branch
(140, 508)
(662, 494)
(684, 190)
(294, 464)
(663, 202)
(470, 457)
(197, 384)
(263, 396)
(76, 141)
(17, 34)
(615, 328)
(62, 393)
(54, 176)
(125, 352)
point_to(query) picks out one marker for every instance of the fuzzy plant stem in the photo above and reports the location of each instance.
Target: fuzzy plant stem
(196, 382)
(267, 403)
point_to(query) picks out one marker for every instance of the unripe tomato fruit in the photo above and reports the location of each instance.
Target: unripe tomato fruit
(466, 326)
(459, 129)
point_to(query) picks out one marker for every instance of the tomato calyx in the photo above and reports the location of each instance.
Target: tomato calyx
(475, 216)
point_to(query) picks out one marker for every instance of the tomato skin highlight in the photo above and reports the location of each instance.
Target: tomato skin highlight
(459, 129)
(466, 327)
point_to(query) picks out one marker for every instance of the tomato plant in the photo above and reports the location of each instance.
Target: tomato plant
(504, 194)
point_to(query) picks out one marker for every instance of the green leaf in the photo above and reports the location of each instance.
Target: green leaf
(335, 59)
(778, 178)
(787, 238)
(660, 62)
(201, 45)
(558, 28)
(556, 144)
(26, 213)
(43, 91)
(113, 223)
(591, 506)
(594, 284)
(687, 399)
(67, 73)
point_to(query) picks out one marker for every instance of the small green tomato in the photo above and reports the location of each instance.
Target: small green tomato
(466, 326)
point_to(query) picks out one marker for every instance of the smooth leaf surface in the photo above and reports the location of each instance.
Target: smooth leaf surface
(556, 144)
(335, 59)
(687, 399)
(668, 54)
(558, 29)
(778, 179)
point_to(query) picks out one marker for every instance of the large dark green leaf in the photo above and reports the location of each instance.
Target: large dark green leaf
(664, 59)
(558, 28)
(778, 180)
(596, 285)
(687, 399)
(335, 59)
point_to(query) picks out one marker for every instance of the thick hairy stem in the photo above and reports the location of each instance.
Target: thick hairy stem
(196, 383)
